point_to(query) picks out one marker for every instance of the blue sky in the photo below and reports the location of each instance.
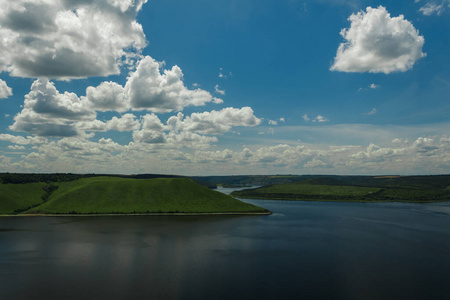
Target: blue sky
(225, 87)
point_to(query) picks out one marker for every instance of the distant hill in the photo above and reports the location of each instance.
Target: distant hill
(420, 181)
(251, 180)
(18, 178)
(115, 195)
(357, 188)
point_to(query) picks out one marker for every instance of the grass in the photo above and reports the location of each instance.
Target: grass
(302, 190)
(320, 190)
(105, 195)
(316, 190)
(19, 197)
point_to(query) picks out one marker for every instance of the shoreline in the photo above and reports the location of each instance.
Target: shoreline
(255, 213)
(325, 200)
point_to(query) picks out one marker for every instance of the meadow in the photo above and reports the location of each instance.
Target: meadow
(354, 188)
(115, 195)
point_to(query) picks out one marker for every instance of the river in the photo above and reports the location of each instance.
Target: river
(305, 250)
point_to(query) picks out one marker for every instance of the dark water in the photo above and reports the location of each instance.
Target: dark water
(305, 250)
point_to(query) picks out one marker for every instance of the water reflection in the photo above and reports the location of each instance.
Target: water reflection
(311, 250)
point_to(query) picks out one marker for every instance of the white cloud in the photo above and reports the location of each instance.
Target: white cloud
(17, 139)
(5, 90)
(214, 122)
(282, 120)
(192, 131)
(47, 112)
(431, 8)
(16, 147)
(273, 122)
(179, 152)
(222, 75)
(148, 89)
(108, 96)
(434, 7)
(373, 86)
(190, 140)
(378, 43)
(372, 112)
(314, 163)
(152, 122)
(320, 119)
(127, 122)
(68, 39)
(149, 136)
(219, 91)
(151, 132)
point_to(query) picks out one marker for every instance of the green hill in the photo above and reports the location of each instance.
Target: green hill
(106, 195)
(365, 189)
(18, 197)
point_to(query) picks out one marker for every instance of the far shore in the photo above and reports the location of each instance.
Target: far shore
(342, 200)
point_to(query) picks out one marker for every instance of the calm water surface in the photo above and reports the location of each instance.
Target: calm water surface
(305, 250)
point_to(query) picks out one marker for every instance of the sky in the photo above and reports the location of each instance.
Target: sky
(225, 87)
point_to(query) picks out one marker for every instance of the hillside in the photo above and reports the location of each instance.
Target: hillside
(19, 197)
(357, 188)
(112, 195)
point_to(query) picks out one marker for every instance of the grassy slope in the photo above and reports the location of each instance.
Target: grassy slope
(305, 191)
(311, 190)
(15, 197)
(123, 195)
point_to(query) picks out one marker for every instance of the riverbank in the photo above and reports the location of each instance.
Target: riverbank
(266, 212)
(347, 200)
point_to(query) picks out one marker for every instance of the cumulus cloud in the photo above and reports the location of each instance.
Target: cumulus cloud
(108, 96)
(148, 89)
(69, 39)
(273, 122)
(193, 131)
(160, 151)
(127, 122)
(214, 122)
(149, 137)
(17, 139)
(378, 43)
(46, 112)
(314, 163)
(5, 90)
(152, 122)
(16, 147)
